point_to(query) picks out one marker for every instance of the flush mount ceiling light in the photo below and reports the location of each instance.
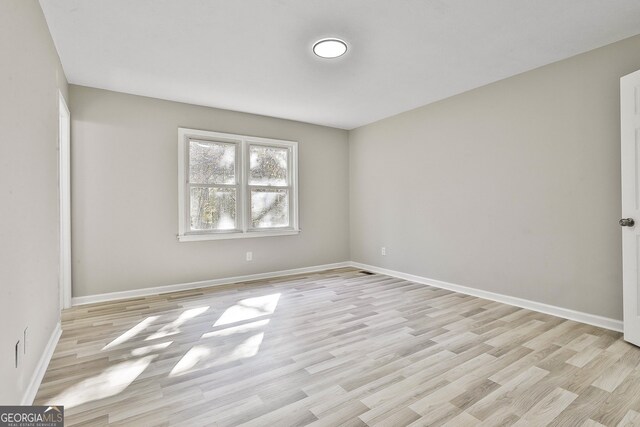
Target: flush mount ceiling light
(330, 48)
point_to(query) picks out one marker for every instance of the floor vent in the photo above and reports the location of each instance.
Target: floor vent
(367, 273)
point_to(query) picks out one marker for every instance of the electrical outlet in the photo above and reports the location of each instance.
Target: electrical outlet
(249, 256)
(24, 341)
(383, 251)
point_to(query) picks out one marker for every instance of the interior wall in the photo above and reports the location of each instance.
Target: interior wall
(30, 77)
(511, 188)
(125, 195)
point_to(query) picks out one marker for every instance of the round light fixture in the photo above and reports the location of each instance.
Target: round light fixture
(330, 48)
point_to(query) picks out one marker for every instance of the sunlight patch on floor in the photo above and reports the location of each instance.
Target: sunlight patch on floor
(190, 359)
(248, 348)
(141, 351)
(110, 382)
(131, 332)
(202, 357)
(248, 309)
(237, 329)
(174, 327)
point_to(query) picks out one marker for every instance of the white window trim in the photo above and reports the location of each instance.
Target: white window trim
(243, 141)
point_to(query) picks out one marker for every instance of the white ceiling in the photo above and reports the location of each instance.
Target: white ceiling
(255, 55)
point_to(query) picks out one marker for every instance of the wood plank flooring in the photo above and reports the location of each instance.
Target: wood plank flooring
(337, 348)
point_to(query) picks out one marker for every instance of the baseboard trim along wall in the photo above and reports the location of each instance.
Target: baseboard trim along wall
(136, 293)
(578, 316)
(32, 389)
(565, 313)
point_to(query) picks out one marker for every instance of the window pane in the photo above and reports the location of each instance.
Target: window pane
(213, 209)
(268, 165)
(212, 163)
(269, 208)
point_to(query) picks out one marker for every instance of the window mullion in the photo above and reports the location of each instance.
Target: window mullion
(268, 187)
(192, 185)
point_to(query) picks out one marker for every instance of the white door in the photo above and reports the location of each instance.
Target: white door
(630, 222)
(64, 172)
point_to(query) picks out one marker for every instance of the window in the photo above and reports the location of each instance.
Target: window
(235, 186)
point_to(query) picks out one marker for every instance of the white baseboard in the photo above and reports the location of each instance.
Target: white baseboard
(566, 313)
(32, 389)
(578, 316)
(136, 293)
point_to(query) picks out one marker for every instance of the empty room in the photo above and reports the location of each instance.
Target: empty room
(319, 213)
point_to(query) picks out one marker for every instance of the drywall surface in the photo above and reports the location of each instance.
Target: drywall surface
(30, 77)
(512, 188)
(125, 195)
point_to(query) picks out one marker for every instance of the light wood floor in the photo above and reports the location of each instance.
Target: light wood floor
(338, 348)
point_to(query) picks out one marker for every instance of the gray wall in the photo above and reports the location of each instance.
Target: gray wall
(511, 188)
(30, 76)
(125, 195)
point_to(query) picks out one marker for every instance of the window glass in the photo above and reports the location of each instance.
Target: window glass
(269, 208)
(212, 162)
(213, 208)
(268, 165)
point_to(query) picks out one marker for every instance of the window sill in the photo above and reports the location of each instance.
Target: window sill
(229, 236)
